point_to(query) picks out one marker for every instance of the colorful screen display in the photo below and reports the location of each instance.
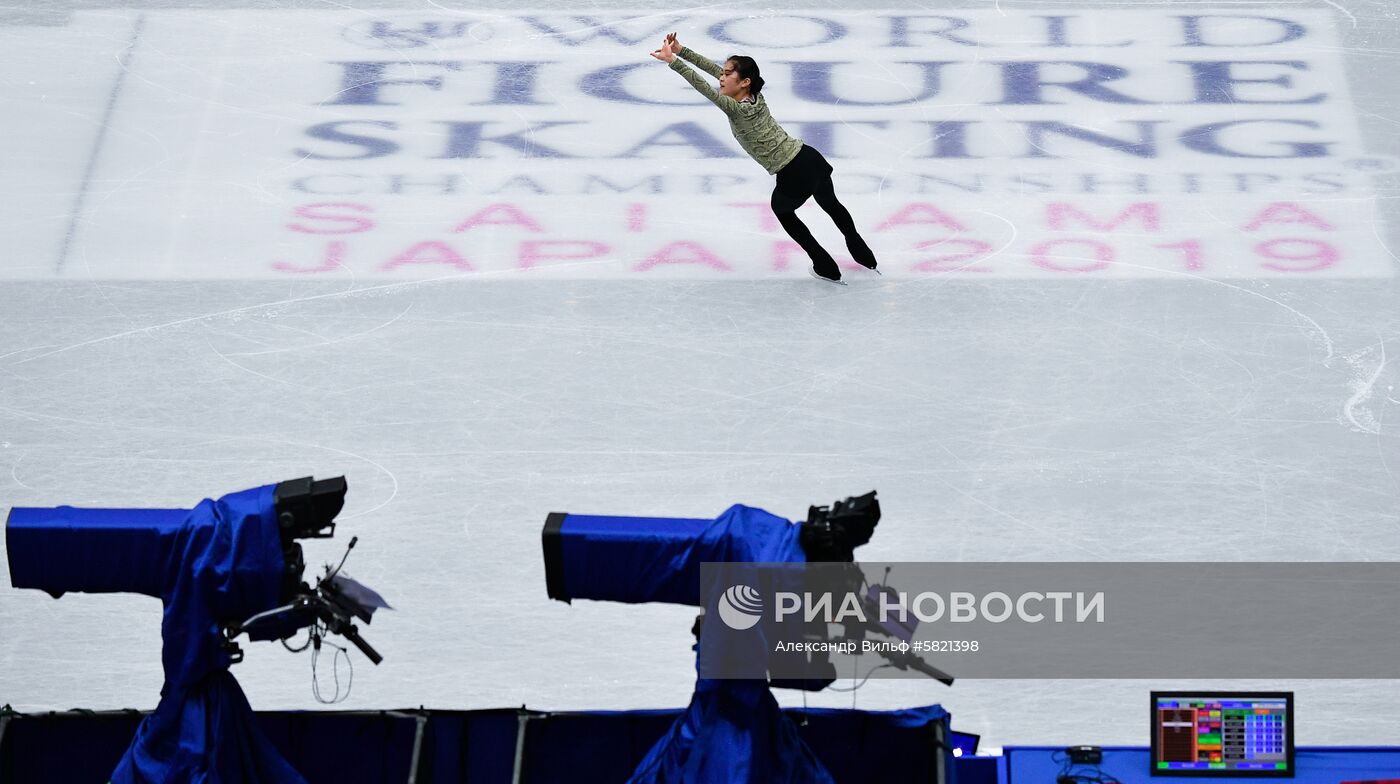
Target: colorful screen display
(1222, 734)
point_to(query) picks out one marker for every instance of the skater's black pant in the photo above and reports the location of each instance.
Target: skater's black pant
(809, 175)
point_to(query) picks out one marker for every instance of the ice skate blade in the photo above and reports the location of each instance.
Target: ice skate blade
(813, 272)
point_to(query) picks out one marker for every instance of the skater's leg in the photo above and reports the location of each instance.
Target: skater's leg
(785, 208)
(822, 261)
(825, 195)
(826, 199)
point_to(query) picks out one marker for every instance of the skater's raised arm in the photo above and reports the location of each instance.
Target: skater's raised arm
(700, 61)
(725, 103)
(667, 54)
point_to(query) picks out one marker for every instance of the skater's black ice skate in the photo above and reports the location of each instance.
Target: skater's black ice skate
(862, 253)
(813, 272)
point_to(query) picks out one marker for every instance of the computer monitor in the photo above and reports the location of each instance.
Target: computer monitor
(1222, 733)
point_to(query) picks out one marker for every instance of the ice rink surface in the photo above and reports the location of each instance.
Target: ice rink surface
(491, 263)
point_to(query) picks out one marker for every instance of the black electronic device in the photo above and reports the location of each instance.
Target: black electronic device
(306, 509)
(1085, 755)
(832, 533)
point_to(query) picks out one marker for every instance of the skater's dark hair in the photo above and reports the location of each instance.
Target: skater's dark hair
(748, 69)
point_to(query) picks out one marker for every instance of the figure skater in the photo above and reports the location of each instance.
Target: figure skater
(801, 170)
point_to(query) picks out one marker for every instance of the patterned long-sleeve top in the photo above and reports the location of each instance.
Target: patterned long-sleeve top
(758, 133)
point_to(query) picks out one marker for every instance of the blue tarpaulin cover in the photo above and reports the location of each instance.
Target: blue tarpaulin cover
(657, 559)
(211, 565)
(733, 730)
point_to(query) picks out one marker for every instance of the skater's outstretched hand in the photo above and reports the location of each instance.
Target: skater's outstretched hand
(664, 54)
(673, 43)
